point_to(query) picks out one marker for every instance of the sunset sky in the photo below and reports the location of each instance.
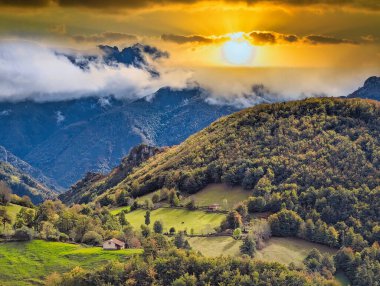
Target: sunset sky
(331, 43)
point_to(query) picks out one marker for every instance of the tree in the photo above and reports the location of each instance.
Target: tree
(4, 217)
(249, 246)
(24, 233)
(92, 238)
(233, 220)
(158, 226)
(122, 199)
(145, 230)
(237, 233)
(242, 210)
(5, 193)
(180, 241)
(186, 280)
(285, 223)
(256, 204)
(147, 218)
(156, 198)
(122, 219)
(24, 217)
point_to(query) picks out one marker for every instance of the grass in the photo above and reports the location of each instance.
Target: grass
(277, 249)
(28, 263)
(283, 250)
(181, 219)
(289, 249)
(216, 245)
(226, 196)
(119, 210)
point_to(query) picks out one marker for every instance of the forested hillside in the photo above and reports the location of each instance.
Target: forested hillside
(22, 184)
(312, 143)
(318, 157)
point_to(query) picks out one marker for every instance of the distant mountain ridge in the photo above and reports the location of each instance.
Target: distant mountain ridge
(94, 184)
(370, 89)
(67, 139)
(22, 184)
(24, 167)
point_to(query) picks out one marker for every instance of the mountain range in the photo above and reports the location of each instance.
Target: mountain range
(66, 139)
(321, 142)
(59, 142)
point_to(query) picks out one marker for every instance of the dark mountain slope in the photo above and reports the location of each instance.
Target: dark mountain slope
(370, 89)
(94, 184)
(22, 184)
(67, 139)
(316, 142)
(8, 157)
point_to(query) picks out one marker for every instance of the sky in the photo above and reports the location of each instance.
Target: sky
(295, 48)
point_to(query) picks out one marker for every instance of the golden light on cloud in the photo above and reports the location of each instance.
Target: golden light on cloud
(238, 50)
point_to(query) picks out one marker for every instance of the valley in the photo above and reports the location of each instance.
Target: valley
(231, 196)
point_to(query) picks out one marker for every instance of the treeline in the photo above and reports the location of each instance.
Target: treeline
(316, 142)
(185, 268)
(54, 221)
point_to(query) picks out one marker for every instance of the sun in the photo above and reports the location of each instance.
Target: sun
(238, 50)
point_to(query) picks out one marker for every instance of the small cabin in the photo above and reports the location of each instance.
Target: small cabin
(214, 207)
(113, 244)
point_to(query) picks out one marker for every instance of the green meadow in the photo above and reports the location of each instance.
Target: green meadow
(227, 197)
(181, 219)
(28, 263)
(214, 246)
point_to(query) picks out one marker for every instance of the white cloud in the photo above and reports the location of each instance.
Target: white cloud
(29, 70)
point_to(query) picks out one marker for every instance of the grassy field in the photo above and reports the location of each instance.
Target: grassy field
(221, 194)
(277, 249)
(288, 249)
(181, 219)
(28, 263)
(216, 246)
(118, 210)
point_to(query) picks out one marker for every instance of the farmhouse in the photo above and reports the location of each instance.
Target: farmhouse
(113, 244)
(213, 207)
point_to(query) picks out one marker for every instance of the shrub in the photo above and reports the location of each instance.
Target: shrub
(24, 233)
(158, 226)
(92, 238)
(285, 223)
(249, 246)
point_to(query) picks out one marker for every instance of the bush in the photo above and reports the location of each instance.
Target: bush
(92, 238)
(285, 223)
(158, 226)
(249, 246)
(24, 233)
(63, 237)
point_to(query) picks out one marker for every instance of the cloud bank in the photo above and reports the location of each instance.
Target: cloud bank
(32, 71)
(261, 38)
(29, 70)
